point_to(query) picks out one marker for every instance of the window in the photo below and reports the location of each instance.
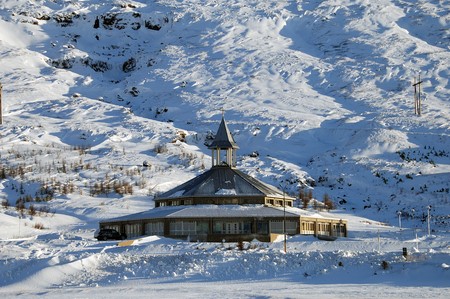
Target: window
(202, 227)
(247, 227)
(291, 227)
(185, 202)
(183, 228)
(133, 230)
(308, 228)
(276, 227)
(323, 228)
(232, 227)
(262, 227)
(218, 227)
(154, 228)
(339, 229)
(115, 227)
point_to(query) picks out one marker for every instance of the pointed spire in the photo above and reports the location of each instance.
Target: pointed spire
(223, 146)
(223, 139)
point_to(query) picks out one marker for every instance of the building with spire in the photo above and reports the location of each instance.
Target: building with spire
(224, 203)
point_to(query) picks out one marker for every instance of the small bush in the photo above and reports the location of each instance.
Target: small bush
(38, 225)
(20, 205)
(240, 245)
(305, 199)
(32, 210)
(160, 149)
(5, 203)
(329, 205)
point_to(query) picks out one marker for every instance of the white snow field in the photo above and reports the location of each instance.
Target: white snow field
(318, 95)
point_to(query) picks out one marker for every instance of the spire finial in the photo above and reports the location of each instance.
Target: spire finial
(223, 112)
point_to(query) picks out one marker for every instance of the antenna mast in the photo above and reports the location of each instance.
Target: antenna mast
(417, 100)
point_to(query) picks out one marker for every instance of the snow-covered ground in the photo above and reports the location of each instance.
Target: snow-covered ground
(318, 95)
(73, 264)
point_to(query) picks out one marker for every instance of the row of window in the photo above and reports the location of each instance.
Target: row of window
(185, 228)
(308, 228)
(279, 203)
(186, 202)
(175, 202)
(322, 228)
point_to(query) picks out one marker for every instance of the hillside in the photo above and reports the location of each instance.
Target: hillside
(320, 90)
(318, 95)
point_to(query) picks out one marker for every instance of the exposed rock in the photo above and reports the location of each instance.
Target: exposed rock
(129, 65)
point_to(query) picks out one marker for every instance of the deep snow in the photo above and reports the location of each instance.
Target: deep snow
(317, 94)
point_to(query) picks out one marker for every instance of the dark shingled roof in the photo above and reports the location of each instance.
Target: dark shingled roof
(222, 181)
(223, 139)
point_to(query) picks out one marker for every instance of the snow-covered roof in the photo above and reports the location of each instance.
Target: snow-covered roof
(209, 211)
(226, 211)
(301, 212)
(222, 181)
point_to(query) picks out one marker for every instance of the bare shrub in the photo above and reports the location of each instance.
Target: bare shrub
(43, 210)
(305, 199)
(5, 203)
(32, 210)
(20, 205)
(160, 149)
(240, 245)
(38, 225)
(329, 205)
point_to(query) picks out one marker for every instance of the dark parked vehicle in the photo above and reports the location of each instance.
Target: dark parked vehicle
(109, 234)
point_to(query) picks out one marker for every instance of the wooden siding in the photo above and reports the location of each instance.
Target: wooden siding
(233, 229)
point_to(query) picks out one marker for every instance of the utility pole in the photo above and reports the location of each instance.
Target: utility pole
(284, 221)
(379, 245)
(417, 241)
(417, 100)
(284, 216)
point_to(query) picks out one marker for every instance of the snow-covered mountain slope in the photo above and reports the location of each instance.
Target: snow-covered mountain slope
(321, 90)
(317, 93)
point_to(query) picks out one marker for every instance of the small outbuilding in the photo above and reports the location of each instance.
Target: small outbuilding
(225, 204)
